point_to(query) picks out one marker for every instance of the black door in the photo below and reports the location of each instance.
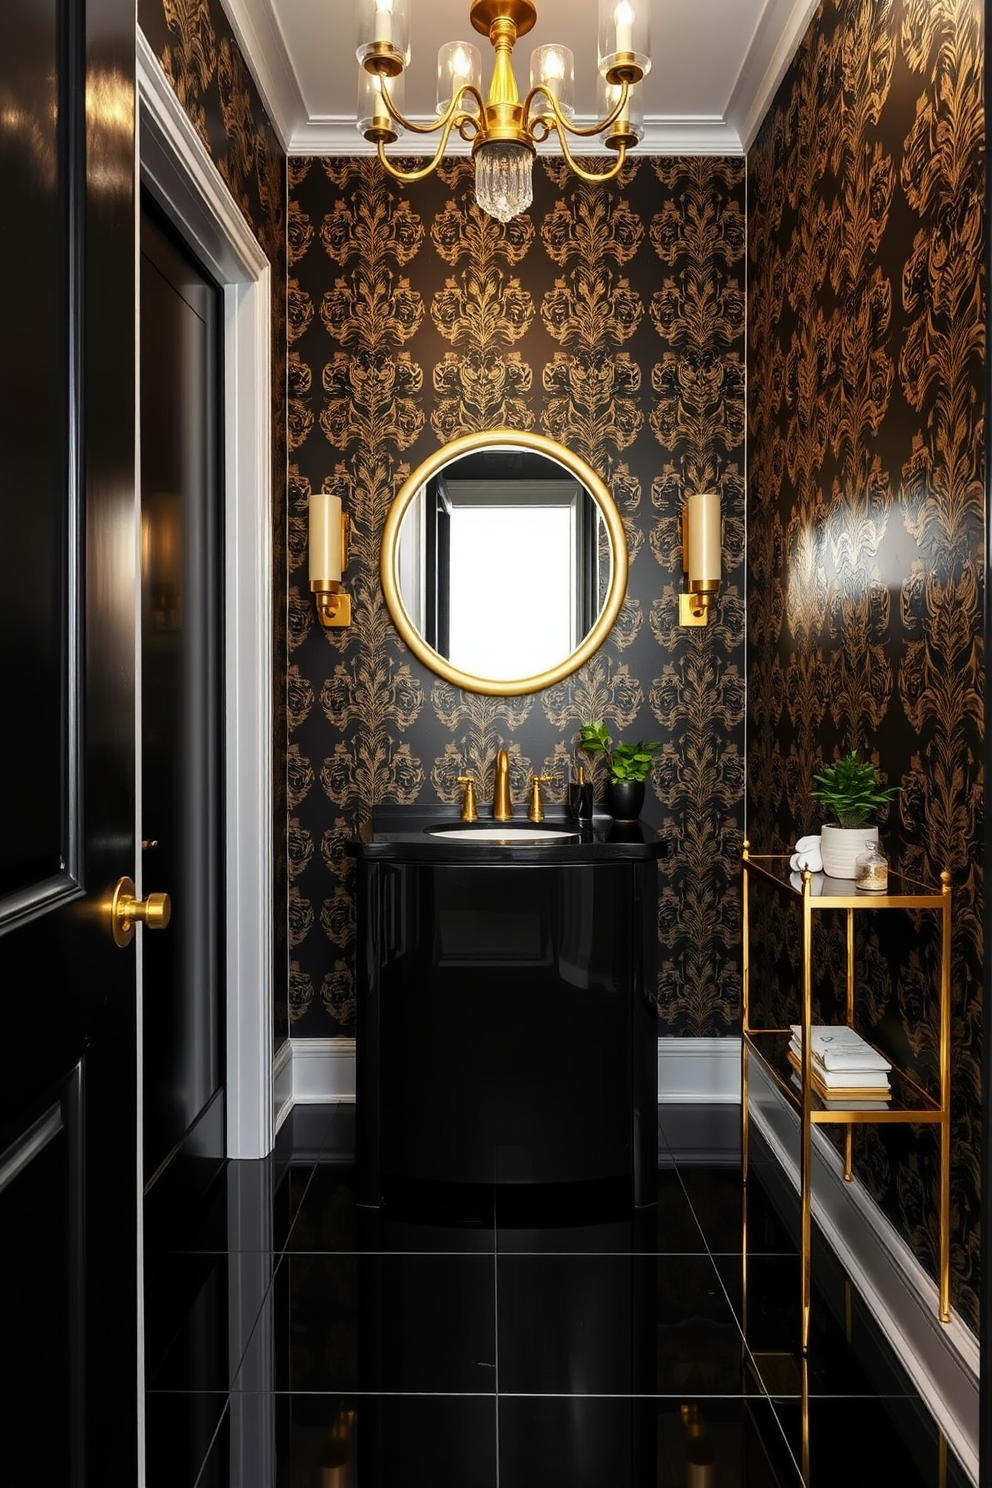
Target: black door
(182, 739)
(68, 1161)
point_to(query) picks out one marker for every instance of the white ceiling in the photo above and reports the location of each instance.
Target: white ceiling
(715, 65)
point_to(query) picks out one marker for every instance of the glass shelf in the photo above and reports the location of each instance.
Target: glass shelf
(809, 893)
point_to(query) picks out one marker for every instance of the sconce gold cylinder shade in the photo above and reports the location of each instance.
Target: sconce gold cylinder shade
(701, 556)
(328, 557)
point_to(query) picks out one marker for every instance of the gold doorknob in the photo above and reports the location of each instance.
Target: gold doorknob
(126, 911)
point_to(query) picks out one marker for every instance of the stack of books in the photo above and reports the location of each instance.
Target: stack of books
(843, 1067)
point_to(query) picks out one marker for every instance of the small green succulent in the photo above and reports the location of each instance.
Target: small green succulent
(623, 761)
(850, 790)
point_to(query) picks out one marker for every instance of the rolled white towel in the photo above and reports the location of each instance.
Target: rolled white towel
(807, 855)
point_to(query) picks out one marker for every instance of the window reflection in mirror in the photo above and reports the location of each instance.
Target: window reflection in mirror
(503, 562)
(499, 563)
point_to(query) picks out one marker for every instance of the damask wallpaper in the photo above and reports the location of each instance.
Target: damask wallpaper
(611, 320)
(865, 506)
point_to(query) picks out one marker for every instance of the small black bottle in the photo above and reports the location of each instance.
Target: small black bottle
(580, 797)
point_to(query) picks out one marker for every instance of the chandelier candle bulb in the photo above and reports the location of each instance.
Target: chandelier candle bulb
(552, 68)
(383, 32)
(459, 64)
(623, 18)
(624, 45)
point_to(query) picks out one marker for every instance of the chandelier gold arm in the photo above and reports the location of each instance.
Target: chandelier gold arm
(581, 131)
(446, 121)
(413, 175)
(591, 176)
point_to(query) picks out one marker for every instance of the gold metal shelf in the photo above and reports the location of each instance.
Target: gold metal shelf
(909, 1104)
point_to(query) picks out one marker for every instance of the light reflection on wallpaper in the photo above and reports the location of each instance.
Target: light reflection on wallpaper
(866, 479)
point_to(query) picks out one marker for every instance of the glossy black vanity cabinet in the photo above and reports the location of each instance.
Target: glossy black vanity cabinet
(507, 1023)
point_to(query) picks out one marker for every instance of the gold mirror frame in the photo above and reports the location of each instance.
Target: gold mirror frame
(513, 439)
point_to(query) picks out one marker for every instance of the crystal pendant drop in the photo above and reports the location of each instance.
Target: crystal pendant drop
(503, 185)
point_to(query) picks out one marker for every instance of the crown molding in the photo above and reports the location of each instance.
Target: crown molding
(337, 136)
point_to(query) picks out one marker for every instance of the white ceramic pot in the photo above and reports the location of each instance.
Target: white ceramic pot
(840, 846)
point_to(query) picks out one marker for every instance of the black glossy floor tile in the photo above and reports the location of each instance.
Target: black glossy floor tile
(180, 1428)
(402, 1322)
(551, 1225)
(198, 1328)
(518, 1338)
(699, 1135)
(424, 1441)
(862, 1443)
(716, 1199)
(324, 1215)
(771, 1322)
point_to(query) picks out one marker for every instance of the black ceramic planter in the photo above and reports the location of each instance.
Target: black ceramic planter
(624, 799)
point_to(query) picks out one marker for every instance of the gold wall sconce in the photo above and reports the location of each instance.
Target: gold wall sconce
(701, 541)
(329, 558)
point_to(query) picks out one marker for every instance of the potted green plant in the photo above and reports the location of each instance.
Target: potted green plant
(850, 792)
(627, 766)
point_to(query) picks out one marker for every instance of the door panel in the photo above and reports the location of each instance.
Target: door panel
(182, 806)
(67, 648)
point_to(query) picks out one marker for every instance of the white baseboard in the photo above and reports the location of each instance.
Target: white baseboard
(323, 1069)
(282, 1084)
(942, 1359)
(690, 1070)
(695, 1071)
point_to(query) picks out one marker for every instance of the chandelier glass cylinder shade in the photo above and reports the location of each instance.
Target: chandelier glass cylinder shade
(504, 131)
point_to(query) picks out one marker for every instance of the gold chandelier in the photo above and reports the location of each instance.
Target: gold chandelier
(504, 131)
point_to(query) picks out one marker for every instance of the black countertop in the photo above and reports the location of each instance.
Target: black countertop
(404, 834)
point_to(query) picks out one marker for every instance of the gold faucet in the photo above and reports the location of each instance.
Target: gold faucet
(469, 812)
(535, 811)
(502, 805)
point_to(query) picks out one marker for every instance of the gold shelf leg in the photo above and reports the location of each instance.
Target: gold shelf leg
(745, 1024)
(805, 1426)
(945, 1100)
(805, 1175)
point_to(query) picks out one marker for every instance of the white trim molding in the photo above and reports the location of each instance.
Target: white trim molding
(178, 171)
(323, 1069)
(705, 1070)
(699, 1070)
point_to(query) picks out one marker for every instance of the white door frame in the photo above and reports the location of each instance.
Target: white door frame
(177, 169)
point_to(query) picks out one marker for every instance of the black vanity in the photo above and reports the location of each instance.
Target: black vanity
(507, 1024)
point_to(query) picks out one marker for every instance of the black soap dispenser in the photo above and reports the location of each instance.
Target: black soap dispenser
(580, 796)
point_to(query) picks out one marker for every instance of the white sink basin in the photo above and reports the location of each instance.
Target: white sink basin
(506, 833)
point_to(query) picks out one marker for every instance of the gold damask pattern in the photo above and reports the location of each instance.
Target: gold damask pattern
(866, 511)
(613, 322)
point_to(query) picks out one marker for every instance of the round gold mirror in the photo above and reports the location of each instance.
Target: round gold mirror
(504, 562)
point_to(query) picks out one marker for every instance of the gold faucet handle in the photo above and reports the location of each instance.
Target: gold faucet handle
(536, 809)
(469, 812)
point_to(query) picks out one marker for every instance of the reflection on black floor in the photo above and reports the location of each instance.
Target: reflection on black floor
(547, 1340)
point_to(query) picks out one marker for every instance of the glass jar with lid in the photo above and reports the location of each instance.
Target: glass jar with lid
(871, 869)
